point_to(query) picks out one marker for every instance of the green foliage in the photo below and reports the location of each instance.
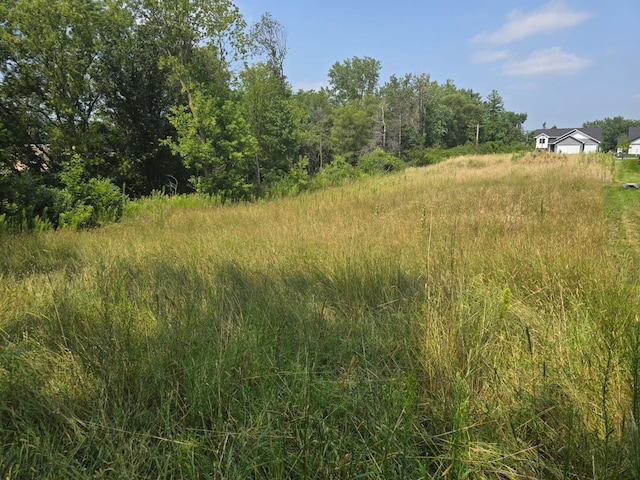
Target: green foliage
(464, 113)
(138, 95)
(429, 156)
(214, 142)
(28, 203)
(312, 116)
(500, 129)
(52, 64)
(106, 198)
(337, 173)
(149, 96)
(352, 129)
(88, 202)
(295, 181)
(410, 114)
(354, 78)
(80, 216)
(379, 162)
(267, 110)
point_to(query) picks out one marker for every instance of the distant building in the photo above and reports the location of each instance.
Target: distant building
(634, 140)
(569, 140)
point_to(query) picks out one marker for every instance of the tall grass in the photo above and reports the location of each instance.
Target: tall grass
(474, 319)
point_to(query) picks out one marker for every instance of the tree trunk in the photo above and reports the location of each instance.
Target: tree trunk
(257, 170)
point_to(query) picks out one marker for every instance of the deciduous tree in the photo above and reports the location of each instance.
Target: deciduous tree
(312, 114)
(214, 142)
(352, 130)
(499, 126)
(200, 40)
(138, 96)
(266, 107)
(354, 78)
(52, 54)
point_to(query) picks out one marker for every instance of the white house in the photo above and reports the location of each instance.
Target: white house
(569, 140)
(634, 140)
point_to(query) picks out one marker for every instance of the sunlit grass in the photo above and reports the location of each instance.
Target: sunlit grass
(474, 318)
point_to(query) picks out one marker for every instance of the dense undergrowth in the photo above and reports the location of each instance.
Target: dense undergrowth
(473, 319)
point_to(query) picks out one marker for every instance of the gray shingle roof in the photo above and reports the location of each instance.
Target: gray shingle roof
(593, 132)
(634, 133)
(553, 133)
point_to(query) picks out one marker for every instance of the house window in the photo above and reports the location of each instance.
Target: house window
(543, 141)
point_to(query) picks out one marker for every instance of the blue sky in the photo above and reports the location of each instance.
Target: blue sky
(563, 62)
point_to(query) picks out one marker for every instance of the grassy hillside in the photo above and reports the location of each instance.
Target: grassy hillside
(474, 319)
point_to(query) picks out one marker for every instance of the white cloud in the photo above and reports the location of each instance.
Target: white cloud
(555, 15)
(636, 97)
(549, 60)
(485, 56)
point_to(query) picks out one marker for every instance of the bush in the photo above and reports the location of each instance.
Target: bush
(379, 161)
(98, 202)
(427, 156)
(106, 199)
(88, 203)
(27, 203)
(292, 183)
(337, 172)
(82, 216)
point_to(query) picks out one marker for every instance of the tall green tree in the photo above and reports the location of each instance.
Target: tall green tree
(499, 126)
(267, 108)
(408, 120)
(352, 131)
(354, 78)
(138, 97)
(312, 115)
(51, 65)
(52, 59)
(201, 39)
(214, 142)
(464, 114)
(266, 101)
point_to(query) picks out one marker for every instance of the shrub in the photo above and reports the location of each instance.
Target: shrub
(27, 203)
(337, 172)
(379, 161)
(106, 198)
(292, 183)
(88, 203)
(81, 216)
(421, 157)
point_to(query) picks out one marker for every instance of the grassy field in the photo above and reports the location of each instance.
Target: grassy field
(473, 319)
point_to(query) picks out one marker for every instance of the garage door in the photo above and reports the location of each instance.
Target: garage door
(568, 149)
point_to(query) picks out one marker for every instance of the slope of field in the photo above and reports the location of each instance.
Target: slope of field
(473, 319)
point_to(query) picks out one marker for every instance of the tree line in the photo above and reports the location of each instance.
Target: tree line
(102, 100)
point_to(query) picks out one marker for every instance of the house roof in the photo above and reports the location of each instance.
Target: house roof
(634, 133)
(555, 133)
